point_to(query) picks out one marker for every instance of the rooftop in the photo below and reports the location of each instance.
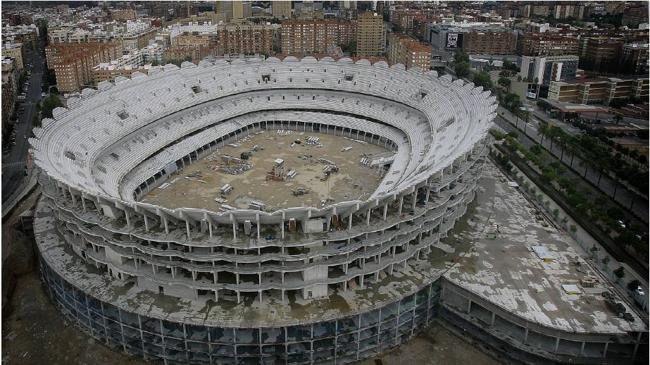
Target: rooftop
(504, 269)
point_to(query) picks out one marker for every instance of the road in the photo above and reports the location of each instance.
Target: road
(14, 163)
(632, 201)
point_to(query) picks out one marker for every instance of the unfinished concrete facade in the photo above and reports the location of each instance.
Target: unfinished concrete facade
(116, 143)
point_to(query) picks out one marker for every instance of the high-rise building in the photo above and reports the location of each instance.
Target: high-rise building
(237, 10)
(408, 51)
(371, 35)
(304, 37)
(281, 9)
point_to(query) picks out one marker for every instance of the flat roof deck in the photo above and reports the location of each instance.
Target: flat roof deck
(197, 185)
(504, 269)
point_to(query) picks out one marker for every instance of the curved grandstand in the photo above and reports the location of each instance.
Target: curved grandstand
(337, 279)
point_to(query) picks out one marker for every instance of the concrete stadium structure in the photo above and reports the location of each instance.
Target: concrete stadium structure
(303, 285)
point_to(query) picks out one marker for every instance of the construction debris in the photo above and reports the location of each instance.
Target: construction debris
(346, 149)
(226, 189)
(300, 191)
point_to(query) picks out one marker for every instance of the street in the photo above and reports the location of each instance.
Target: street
(14, 163)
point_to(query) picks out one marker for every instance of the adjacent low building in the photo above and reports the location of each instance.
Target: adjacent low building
(15, 51)
(601, 91)
(543, 70)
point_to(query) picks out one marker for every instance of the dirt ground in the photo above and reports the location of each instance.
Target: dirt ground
(198, 184)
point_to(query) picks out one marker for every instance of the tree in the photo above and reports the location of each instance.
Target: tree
(618, 117)
(505, 83)
(620, 273)
(483, 79)
(632, 285)
(461, 56)
(49, 104)
(461, 69)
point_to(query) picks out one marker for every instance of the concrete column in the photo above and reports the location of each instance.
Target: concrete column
(282, 226)
(164, 219)
(368, 217)
(525, 335)
(582, 349)
(557, 344)
(415, 198)
(401, 203)
(385, 210)
(494, 317)
(469, 305)
(210, 228)
(605, 350)
(146, 223)
(187, 229)
(257, 220)
(350, 221)
(234, 226)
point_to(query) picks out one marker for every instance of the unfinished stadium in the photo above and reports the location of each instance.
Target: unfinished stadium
(268, 211)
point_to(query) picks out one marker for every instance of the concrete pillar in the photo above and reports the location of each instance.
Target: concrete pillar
(234, 226)
(187, 229)
(385, 210)
(350, 221)
(282, 225)
(605, 350)
(146, 223)
(415, 198)
(401, 202)
(164, 219)
(494, 317)
(557, 344)
(368, 217)
(582, 349)
(469, 305)
(525, 335)
(257, 220)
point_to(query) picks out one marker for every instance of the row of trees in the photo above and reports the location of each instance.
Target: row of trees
(595, 156)
(594, 206)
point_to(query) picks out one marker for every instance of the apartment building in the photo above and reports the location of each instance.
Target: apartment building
(490, 42)
(543, 70)
(547, 44)
(186, 53)
(601, 91)
(281, 9)
(15, 51)
(73, 62)
(247, 38)
(122, 15)
(602, 53)
(635, 58)
(306, 37)
(408, 51)
(371, 34)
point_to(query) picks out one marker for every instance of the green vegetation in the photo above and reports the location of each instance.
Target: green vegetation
(49, 104)
(461, 64)
(580, 197)
(482, 79)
